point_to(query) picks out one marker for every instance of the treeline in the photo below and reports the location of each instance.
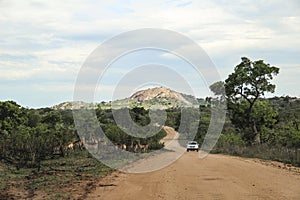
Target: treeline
(256, 126)
(280, 142)
(30, 136)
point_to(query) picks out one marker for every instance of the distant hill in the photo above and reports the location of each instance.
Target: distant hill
(74, 105)
(160, 97)
(159, 93)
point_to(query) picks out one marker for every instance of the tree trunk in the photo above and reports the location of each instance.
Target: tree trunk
(256, 134)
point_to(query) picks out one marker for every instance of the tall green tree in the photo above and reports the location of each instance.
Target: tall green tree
(249, 81)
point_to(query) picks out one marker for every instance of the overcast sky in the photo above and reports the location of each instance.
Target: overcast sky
(43, 44)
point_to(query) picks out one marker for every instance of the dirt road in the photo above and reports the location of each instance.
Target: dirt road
(214, 177)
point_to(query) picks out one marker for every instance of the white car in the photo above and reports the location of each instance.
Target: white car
(192, 146)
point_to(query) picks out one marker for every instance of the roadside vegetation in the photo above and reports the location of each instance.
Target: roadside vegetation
(281, 142)
(69, 177)
(41, 153)
(256, 126)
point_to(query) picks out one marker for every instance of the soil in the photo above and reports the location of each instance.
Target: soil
(214, 177)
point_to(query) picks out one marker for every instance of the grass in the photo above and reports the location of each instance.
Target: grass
(265, 152)
(69, 177)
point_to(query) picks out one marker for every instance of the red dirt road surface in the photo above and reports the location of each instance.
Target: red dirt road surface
(214, 177)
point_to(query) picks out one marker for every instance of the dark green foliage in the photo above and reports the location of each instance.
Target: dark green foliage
(29, 136)
(279, 133)
(249, 81)
(140, 116)
(205, 115)
(173, 118)
(118, 136)
(154, 143)
(255, 126)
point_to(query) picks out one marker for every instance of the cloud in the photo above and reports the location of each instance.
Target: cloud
(42, 41)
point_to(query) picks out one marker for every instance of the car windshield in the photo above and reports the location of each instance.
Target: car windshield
(193, 143)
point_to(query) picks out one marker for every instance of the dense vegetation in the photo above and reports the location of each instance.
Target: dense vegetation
(32, 157)
(34, 152)
(256, 126)
(279, 136)
(29, 136)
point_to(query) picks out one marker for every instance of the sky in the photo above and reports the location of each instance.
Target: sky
(44, 44)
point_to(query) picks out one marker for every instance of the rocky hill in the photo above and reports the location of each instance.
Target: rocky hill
(161, 97)
(159, 93)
